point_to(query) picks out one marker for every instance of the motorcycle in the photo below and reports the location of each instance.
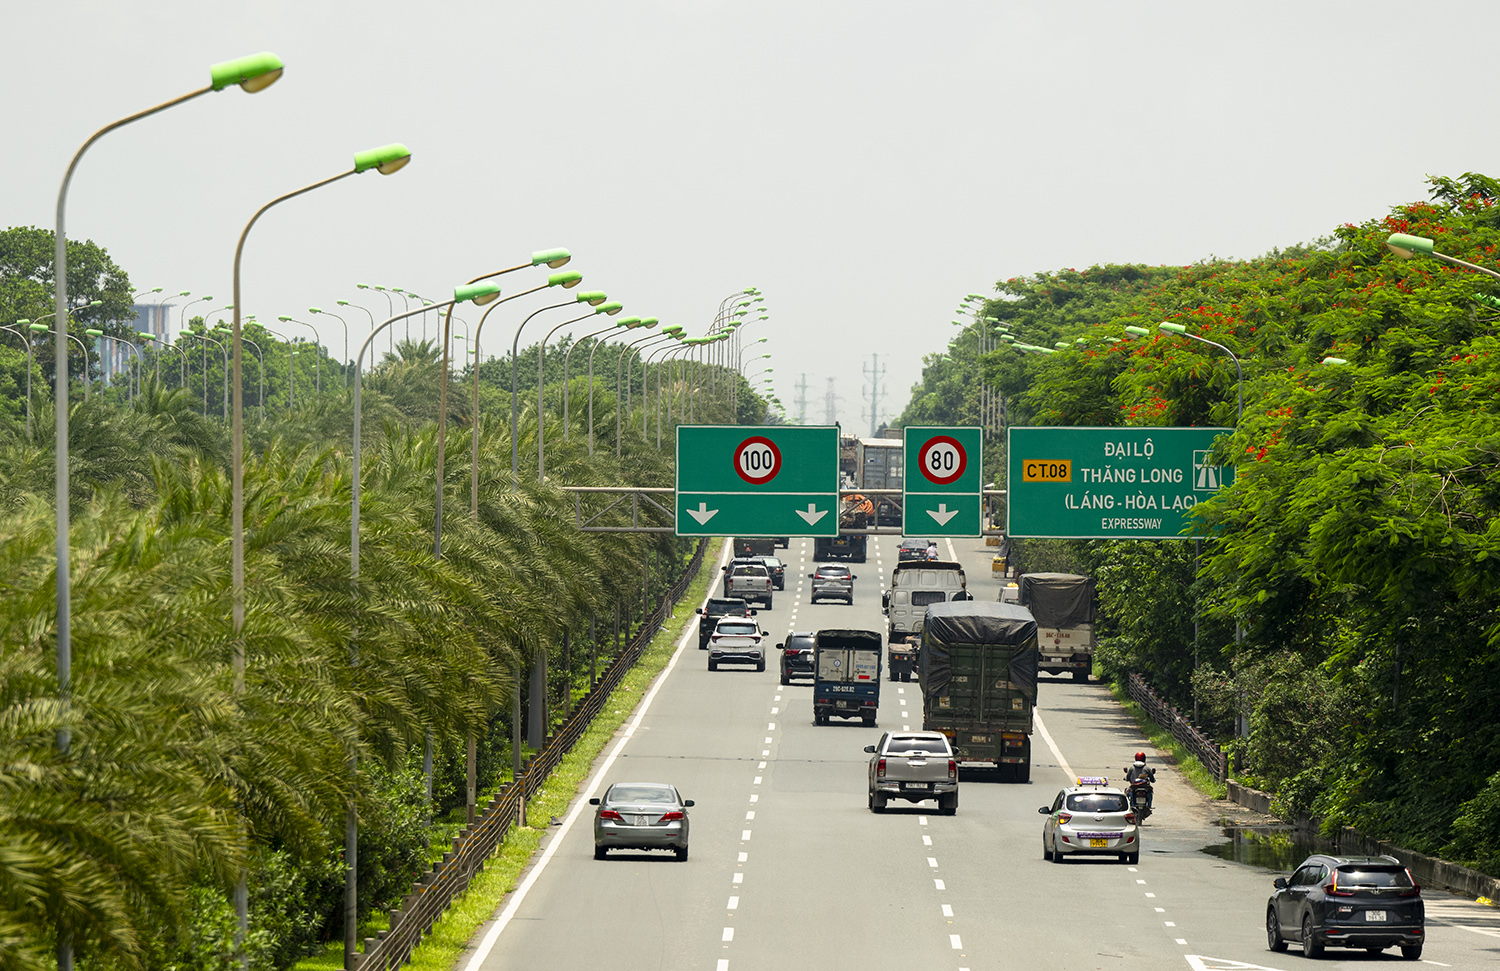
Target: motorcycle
(1140, 798)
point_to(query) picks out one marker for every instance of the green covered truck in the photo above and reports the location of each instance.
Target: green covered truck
(979, 667)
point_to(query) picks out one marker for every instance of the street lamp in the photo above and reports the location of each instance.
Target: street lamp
(344, 364)
(622, 403)
(611, 308)
(1406, 247)
(625, 323)
(1239, 372)
(345, 303)
(260, 398)
(566, 279)
(594, 298)
(25, 322)
(676, 333)
(317, 369)
(479, 293)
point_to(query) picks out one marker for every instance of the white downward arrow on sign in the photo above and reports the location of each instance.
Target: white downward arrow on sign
(813, 514)
(703, 514)
(942, 514)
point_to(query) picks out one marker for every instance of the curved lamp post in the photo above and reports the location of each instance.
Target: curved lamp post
(595, 299)
(676, 333)
(260, 357)
(25, 322)
(1239, 371)
(344, 364)
(626, 323)
(611, 308)
(345, 303)
(568, 279)
(317, 369)
(1406, 247)
(390, 308)
(622, 402)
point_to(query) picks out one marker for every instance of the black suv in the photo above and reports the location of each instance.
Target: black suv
(776, 568)
(796, 656)
(716, 608)
(1368, 902)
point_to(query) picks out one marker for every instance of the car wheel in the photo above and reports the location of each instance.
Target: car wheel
(949, 805)
(868, 717)
(680, 852)
(1411, 952)
(1057, 854)
(877, 803)
(1046, 851)
(768, 603)
(713, 665)
(1274, 941)
(599, 852)
(1133, 858)
(785, 678)
(1310, 946)
(760, 665)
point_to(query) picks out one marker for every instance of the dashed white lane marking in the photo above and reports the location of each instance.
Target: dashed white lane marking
(1168, 923)
(744, 835)
(775, 710)
(757, 781)
(754, 798)
(926, 840)
(734, 903)
(947, 910)
(953, 940)
(1181, 941)
(750, 814)
(739, 878)
(723, 964)
(1161, 910)
(921, 820)
(744, 857)
(939, 885)
(768, 739)
(906, 728)
(1140, 881)
(1150, 894)
(932, 862)
(900, 691)
(765, 751)
(729, 933)
(903, 702)
(770, 726)
(761, 766)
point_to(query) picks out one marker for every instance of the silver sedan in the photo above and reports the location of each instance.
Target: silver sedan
(641, 816)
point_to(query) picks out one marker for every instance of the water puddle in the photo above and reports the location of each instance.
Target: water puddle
(1275, 848)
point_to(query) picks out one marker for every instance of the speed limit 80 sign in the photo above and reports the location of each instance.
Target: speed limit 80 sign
(943, 483)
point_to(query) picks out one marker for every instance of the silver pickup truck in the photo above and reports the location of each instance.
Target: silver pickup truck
(749, 581)
(913, 766)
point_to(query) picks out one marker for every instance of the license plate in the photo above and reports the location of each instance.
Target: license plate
(641, 820)
(919, 785)
(843, 703)
(1376, 915)
(1098, 842)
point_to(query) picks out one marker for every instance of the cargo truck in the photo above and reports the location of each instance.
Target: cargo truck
(979, 683)
(1063, 605)
(846, 675)
(916, 585)
(855, 512)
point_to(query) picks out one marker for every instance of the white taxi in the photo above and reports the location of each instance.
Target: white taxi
(1090, 818)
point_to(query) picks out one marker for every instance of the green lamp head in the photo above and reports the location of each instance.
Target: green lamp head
(284, 319)
(649, 322)
(39, 328)
(1335, 361)
(567, 279)
(629, 323)
(94, 332)
(592, 297)
(479, 293)
(555, 258)
(1009, 339)
(612, 308)
(1138, 331)
(185, 293)
(386, 159)
(674, 330)
(145, 336)
(254, 73)
(1406, 246)
(1171, 328)
(314, 310)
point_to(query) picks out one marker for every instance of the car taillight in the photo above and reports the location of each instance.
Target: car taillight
(609, 814)
(1064, 818)
(1333, 889)
(880, 769)
(952, 769)
(1130, 818)
(668, 817)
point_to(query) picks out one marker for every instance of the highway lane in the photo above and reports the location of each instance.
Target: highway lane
(789, 869)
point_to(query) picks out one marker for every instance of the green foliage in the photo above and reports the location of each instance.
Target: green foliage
(1355, 550)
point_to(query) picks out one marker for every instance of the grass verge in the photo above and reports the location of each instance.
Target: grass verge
(503, 870)
(1187, 765)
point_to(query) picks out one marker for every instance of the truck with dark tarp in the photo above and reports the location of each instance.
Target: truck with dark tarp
(846, 674)
(979, 682)
(1063, 605)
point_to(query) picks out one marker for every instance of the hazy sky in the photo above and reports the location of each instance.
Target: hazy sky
(865, 164)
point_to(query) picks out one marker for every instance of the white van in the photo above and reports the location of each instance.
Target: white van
(915, 585)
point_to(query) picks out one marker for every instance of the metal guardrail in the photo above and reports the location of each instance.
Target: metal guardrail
(1205, 749)
(435, 891)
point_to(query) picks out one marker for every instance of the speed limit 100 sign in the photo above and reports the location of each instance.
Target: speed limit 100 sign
(943, 460)
(757, 460)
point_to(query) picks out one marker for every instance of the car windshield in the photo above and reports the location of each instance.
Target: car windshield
(1372, 876)
(771, 562)
(1097, 802)
(652, 795)
(833, 572)
(914, 544)
(799, 643)
(737, 627)
(900, 746)
(735, 606)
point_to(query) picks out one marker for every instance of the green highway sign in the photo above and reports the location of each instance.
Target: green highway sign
(943, 482)
(1109, 483)
(774, 480)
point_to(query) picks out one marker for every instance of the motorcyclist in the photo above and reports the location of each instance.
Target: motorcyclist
(1140, 773)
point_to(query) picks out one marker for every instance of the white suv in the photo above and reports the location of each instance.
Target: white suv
(736, 640)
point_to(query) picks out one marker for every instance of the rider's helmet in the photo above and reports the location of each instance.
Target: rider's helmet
(1140, 757)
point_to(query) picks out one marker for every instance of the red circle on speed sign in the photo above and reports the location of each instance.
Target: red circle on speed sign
(942, 459)
(757, 460)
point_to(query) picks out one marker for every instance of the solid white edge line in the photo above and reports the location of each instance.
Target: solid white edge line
(1041, 730)
(518, 895)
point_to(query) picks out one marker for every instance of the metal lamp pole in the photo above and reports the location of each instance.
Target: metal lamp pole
(344, 364)
(598, 300)
(572, 279)
(612, 307)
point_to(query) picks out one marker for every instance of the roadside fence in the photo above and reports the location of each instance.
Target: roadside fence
(1205, 749)
(436, 890)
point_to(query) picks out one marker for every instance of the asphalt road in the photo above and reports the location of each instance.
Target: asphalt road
(789, 869)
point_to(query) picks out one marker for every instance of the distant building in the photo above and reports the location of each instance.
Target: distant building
(149, 318)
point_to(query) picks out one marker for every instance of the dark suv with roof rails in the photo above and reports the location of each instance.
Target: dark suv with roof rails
(797, 655)
(1368, 902)
(716, 609)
